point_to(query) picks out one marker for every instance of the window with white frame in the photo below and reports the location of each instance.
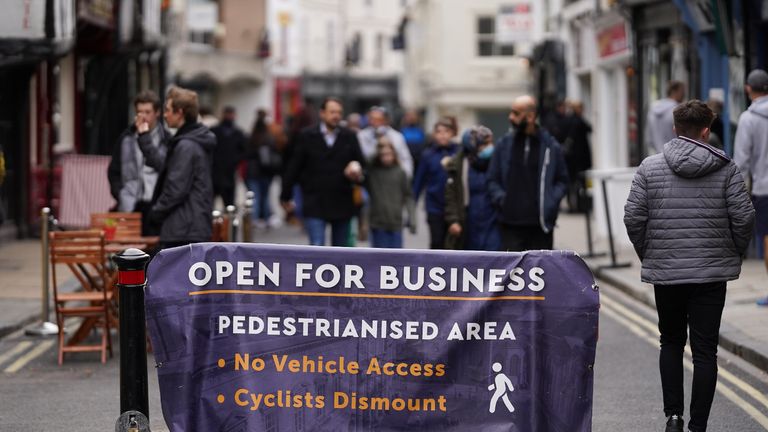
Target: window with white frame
(202, 19)
(486, 39)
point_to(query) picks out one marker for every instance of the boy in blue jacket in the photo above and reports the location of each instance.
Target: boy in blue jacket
(432, 176)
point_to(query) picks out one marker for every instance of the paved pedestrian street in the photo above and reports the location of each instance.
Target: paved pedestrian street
(83, 394)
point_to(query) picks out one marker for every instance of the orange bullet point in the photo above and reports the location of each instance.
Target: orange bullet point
(220, 398)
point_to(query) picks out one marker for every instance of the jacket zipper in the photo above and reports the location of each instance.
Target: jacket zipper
(541, 191)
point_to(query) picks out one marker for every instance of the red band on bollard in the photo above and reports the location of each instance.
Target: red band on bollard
(132, 277)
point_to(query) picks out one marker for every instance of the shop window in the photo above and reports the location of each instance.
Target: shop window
(486, 39)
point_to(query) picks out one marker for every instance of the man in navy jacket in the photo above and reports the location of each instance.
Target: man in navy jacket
(527, 179)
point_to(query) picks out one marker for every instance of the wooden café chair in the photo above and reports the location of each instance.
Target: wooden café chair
(83, 253)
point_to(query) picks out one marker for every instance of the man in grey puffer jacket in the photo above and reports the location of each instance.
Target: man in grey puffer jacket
(690, 219)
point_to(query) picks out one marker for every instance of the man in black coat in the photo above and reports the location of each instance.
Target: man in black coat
(183, 199)
(578, 156)
(230, 145)
(326, 163)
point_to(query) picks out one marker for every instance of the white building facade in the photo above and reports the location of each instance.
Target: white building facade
(598, 43)
(341, 48)
(463, 61)
(216, 50)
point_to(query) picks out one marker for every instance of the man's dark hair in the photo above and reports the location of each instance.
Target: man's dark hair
(692, 117)
(229, 109)
(147, 96)
(330, 99)
(674, 86)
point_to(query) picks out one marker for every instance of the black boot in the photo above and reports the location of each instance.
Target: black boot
(674, 424)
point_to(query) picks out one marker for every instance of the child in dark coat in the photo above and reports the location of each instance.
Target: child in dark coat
(390, 192)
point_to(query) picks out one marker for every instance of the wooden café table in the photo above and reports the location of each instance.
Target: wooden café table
(113, 247)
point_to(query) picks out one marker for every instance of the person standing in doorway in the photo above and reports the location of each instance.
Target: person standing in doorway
(578, 156)
(326, 162)
(659, 127)
(751, 154)
(527, 179)
(690, 219)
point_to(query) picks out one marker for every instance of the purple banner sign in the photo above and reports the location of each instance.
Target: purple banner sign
(287, 338)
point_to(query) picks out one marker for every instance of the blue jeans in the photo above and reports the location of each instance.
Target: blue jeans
(381, 238)
(260, 187)
(316, 229)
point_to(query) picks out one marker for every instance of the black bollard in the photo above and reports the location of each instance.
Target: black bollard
(131, 280)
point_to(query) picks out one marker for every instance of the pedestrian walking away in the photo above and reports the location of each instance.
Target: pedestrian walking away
(264, 162)
(138, 158)
(432, 176)
(183, 199)
(527, 179)
(469, 212)
(659, 127)
(230, 146)
(390, 193)
(326, 162)
(751, 155)
(578, 157)
(303, 119)
(690, 220)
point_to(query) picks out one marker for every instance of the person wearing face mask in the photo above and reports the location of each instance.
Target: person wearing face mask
(469, 213)
(527, 179)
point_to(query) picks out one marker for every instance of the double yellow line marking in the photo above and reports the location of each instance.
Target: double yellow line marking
(28, 356)
(649, 332)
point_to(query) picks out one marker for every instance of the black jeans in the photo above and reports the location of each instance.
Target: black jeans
(696, 308)
(523, 238)
(437, 230)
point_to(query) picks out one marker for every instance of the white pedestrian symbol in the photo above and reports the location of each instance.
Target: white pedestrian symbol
(501, 384)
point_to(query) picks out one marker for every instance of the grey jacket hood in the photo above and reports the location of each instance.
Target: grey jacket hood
(691, 159)
(663, 106)
(760, 107)
(660, 124)
(750, 148)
